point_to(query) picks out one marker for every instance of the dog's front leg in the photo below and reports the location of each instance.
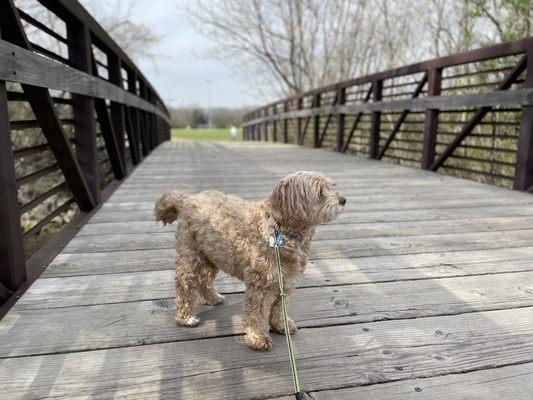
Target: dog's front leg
(257, 305)
(277, 323)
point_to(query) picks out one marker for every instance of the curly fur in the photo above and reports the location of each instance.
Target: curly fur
(223, 232)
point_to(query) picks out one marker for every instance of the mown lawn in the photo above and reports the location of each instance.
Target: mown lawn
(219, 135)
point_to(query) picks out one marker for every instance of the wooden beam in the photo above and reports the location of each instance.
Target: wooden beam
(480, 114)
(328, 120)
(12, 260)
(517, 97)
(135, 152)
(524, 157)
(377, 88)
(285, 123)
(316, 122)
(43, 107)
(339, 143)
(27, 67)
(108, 132)
(83, 108)
(400, 120)
(356, 122)
(118, 116)
(434, 78)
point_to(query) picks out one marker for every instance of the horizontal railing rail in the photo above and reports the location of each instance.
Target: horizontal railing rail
(75, 114)
(468, 115)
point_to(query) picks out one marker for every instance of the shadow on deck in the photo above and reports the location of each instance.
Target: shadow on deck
(422, 289)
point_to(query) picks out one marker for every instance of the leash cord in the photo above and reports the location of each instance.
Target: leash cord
(283, 301)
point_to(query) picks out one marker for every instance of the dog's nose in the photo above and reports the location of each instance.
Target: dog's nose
(342, 200)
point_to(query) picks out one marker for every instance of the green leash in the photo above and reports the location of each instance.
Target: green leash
(278, 241)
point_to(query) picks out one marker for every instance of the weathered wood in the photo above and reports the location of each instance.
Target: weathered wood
(43, 108)
(524, 156)
(503, 87)
(35, 70)
(12, 260)
(434, 78)
(512, 382)
(152, 321)
(339, 142)
(520, 97)
(114, 152)
(374, 353)
(375, 129)
(83, 108)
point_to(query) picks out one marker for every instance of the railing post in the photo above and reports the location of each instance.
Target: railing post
(12, 260)
(83, 108)
(285, 133)
(523, 179)
(432, 119)
(316, 121)
(377, 88)
(340, 126)
(274, 124)
(298, 122)
(134, 117)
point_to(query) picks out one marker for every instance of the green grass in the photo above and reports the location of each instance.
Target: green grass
(219, 135)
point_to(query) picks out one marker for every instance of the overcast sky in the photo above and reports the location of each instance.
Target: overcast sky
(181, 75)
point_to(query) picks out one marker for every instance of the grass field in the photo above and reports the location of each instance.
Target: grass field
(219, 135)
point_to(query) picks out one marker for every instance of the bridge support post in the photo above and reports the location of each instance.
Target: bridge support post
(12, 261)
(118, 117)
(298, 122)
(340, 126)
(285, 122)
(83, 107)
(432, 120)
(274, 125)
(377, 89)
(523, 179)
(316, 122)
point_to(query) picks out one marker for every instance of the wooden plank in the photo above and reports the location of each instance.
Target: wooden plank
(140, 230)
(149, 322)
(12, 260)
(329, 357)
(30, 68)
(328, 271)
(117, 287)
(375, 128)
(513, 382)
(352, 217)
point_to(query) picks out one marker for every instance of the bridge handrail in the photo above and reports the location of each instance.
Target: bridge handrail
(431, 114)
(93, 113)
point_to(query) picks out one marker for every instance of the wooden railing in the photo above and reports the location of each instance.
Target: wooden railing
(75, 114)
(468, 115)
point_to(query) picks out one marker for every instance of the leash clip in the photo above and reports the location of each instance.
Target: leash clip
(274, 240)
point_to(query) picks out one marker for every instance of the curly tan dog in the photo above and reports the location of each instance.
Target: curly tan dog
(220, 231)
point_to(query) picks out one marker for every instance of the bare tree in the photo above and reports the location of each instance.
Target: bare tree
(285, 46)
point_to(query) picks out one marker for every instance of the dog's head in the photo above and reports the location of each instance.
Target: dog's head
(305, 199)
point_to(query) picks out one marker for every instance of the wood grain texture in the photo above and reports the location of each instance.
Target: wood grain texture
(152, 321)
(328, 357)
(425, 278)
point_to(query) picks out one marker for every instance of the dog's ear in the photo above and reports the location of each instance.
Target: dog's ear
(287, 204)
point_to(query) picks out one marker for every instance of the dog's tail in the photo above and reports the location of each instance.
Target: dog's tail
(168, 207)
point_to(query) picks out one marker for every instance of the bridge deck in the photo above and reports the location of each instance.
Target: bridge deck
(422, 289)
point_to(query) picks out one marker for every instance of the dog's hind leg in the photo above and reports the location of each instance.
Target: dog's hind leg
(206, 288)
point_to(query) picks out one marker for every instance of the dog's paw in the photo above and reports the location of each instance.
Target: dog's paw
(215, 300)
(280, 327)
(259, 342)
(189, 321)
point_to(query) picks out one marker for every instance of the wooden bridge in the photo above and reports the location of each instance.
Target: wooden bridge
(422, 289)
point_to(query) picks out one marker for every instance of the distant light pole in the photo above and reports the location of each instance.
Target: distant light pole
(209, 104)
